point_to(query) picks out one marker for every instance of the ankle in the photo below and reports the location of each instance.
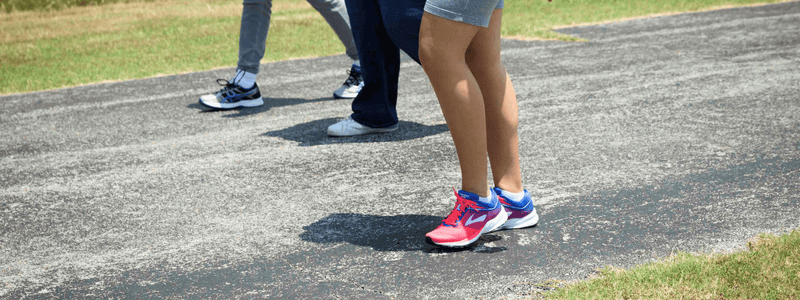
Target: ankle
(511, 195)
(244, 79)
(487, 200)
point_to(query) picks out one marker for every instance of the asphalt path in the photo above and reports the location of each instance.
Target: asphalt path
(674, 133)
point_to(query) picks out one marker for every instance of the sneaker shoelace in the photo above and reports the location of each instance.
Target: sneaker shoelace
(354, 77)
(227, 89)
(457, 213)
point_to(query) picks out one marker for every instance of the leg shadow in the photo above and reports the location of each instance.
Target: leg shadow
(387, 233)
(314, 133)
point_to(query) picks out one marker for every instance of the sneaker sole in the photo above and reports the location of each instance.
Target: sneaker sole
(371, 131)
(345, 96)
(528, 221)
(491, 225)
(244, 103)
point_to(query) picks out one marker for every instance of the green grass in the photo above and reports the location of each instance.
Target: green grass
(43, 5)
(150, 46)
(535, 18)
(60, 44)
(770, 269)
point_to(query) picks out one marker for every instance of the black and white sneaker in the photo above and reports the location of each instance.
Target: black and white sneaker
(352, 86)
(232, 96)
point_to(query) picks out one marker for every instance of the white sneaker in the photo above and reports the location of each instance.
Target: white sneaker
(352, 86)
(349, 127)
(233, 96)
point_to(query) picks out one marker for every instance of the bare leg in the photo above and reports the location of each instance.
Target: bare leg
(442, 47)
(500, 102)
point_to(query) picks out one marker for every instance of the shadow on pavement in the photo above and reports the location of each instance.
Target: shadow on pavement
(268, 104)
(601, 224)
(387, 233)
(314, 133)
(661, 215)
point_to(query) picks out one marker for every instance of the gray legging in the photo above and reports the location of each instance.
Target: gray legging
(255, 25)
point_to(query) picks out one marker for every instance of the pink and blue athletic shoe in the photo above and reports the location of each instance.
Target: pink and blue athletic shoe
(468, 220)
(520, 214)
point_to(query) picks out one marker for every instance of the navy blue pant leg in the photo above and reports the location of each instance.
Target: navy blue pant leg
(401, 19)
(379, 27)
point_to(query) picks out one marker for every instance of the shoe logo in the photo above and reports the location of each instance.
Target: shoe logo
(471, 220)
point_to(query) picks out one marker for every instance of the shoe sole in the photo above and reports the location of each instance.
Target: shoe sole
(491, 225)
(371, 131)
(528, 221)
(345, 96)
(244, 103)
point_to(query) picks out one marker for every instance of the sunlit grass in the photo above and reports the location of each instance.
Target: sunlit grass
(45, 5)
(535, 19)
(49, 48)
(769, 269)
(44, 50)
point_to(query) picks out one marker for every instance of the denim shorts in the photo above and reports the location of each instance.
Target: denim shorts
(474, 12)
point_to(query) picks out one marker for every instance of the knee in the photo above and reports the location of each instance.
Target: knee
(485, 61)
(428, 54)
